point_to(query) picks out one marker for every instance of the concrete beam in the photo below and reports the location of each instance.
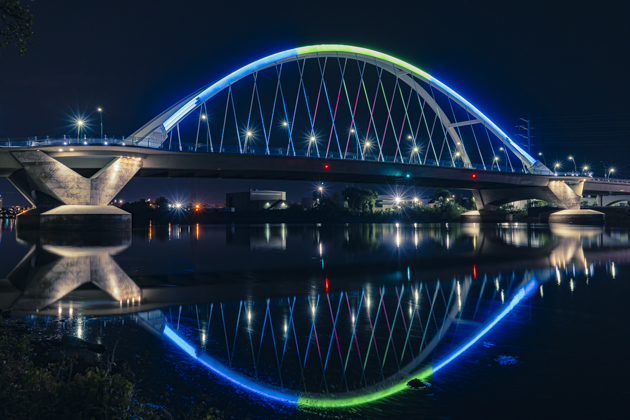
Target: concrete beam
(43, 176)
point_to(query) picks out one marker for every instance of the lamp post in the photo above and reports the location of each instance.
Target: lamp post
(100, 111)
(555, 168)
(457, 155)
(574, 164)
(507, 159)
(79, 125)
(543, 157)
(584, 169)
(610, 172)
(496, 160)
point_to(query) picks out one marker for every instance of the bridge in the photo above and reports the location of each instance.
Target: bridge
(320, 113)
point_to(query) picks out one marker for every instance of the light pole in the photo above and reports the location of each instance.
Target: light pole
(610, 172)
(543, 157)
(496, 160)
(584, 169)
(79, 125)
(366, 147)
(507, 159)
(574, 164)
(555, 167)
(100, 111)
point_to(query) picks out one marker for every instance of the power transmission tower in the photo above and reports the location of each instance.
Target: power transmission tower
(528, 136)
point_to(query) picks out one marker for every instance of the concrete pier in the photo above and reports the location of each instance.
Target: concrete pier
(578, 217)
(84, 218)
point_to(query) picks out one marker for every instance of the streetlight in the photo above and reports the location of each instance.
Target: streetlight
(555, 167)
(285, 124)
(79, 125)
(203, 116)
(496, 160)
(507, 159)
(584, 169)
(312, 138)
(249, 134)
(610, 172)
(100, 111)
(543, 157)
(574, 164)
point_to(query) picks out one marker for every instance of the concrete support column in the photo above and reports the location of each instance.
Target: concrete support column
(65, 200)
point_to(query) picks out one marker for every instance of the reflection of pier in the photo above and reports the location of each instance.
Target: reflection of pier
(64, 271)
(57, 265)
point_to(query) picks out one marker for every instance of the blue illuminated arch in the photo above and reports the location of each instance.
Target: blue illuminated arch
(172, 116)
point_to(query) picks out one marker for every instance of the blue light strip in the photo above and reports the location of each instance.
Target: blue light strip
(230, 375)
(223, 83)
(180, 342)
(520, 295)
(530, 159)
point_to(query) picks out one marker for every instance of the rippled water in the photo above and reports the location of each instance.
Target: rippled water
(282, 321)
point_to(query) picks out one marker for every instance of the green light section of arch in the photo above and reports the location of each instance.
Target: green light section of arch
(363, 51)
(362, 399)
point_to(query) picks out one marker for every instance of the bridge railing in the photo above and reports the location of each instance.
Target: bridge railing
(174, 145)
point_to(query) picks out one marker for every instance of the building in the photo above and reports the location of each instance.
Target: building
(257, 200)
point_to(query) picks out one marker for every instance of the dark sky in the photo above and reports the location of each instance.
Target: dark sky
(564, 65)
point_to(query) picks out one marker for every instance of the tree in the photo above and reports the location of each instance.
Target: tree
(441, 194)
(360, 200)
(16, 23)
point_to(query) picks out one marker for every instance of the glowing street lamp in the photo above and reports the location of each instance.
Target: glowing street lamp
(203, 116)
(496, 160)
(543, 157)
(415, 149)
(584, 169)
(555, 167)
(574, 164)
(249, 134)
(312, 138)
(610, 172)
(100, 111)
(79, 125)
(285, 124)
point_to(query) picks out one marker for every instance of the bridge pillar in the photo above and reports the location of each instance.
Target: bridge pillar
(65, 200)
(566, 196)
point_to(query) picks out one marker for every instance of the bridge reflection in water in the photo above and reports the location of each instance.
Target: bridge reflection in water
(386, 317)
(339, 349)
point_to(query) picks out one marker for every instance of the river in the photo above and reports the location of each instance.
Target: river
(375, 321)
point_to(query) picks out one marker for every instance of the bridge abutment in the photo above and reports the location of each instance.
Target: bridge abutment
(65, 200)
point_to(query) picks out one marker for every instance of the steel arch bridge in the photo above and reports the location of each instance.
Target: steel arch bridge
(336, 102)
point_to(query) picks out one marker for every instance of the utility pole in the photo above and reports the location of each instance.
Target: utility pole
(528, 137)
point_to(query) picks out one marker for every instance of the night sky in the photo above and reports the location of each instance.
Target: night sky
(562, 65)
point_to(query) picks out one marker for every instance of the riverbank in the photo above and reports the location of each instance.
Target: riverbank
(47, 376)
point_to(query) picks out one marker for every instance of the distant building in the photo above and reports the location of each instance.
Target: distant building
(257, 200)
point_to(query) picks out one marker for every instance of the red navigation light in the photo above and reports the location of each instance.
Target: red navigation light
(474, 271)
(326, 166)
(474, 176)
(326, 284)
